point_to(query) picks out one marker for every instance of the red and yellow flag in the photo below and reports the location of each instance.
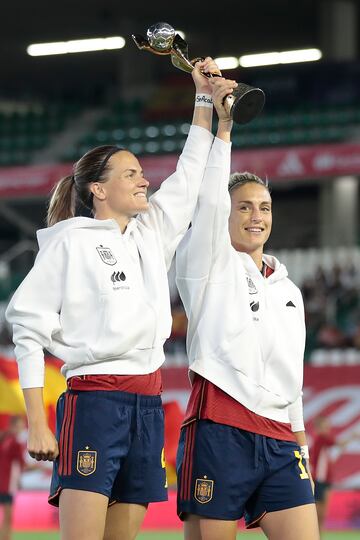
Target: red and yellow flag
(11, 396)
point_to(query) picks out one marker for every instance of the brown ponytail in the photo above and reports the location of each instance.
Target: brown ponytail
(74, 191)
(62, 202)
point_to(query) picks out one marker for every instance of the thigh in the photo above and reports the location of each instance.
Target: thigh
(199, 528)
(82, 515)
(216, 471)
(124, 521)
(7, 514)
(299, 523)
(142, 476)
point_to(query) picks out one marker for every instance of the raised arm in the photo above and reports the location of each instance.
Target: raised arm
(207, 242)
(172, 206)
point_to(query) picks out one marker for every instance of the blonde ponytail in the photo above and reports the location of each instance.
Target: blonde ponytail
(62, 202)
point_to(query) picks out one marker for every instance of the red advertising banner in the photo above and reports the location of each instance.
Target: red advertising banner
(300, 162)
(32, 512)
(334, 392)
(277, 164)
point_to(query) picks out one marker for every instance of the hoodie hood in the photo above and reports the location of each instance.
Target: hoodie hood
(280, 271)
(44, 235)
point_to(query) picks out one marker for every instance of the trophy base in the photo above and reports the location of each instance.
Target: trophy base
(245, 103)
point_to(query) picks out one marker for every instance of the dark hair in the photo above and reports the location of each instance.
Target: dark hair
(238, 179)
(73, 190)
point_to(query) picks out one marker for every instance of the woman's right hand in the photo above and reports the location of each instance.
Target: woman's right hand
(202, 83)
(220, 89)
(42, 444)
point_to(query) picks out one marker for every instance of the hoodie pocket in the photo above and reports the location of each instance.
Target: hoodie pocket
(124, 326)
(243, 353)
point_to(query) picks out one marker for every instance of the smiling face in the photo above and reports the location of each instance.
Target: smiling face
(124, 193)
(250, 219)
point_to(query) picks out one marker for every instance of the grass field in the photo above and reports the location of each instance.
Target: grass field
(170, 535)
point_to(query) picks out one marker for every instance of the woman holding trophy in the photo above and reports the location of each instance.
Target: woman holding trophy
(243, 449)
(97, 298)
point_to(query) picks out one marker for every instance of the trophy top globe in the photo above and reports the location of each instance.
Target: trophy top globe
(161, 36)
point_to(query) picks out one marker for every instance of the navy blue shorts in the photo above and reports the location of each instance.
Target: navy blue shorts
(321, 490)
(6, 498)
(227, 473)
(110, 442)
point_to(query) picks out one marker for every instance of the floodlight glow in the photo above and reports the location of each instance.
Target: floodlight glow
(264, 59)
(285, 57)
(227, 62)
(305, 55)
(76, 46)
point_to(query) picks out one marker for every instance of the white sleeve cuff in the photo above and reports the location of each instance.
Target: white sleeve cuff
(32, 370)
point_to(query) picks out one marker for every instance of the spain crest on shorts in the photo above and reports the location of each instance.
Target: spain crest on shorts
(86, 462)
(203, 490)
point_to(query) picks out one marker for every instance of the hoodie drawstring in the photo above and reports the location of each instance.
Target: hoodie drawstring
(261, 445)
(266, 450)
(138, 417)
(256, 453)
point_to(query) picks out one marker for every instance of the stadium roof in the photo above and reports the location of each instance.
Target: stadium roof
(217, 29)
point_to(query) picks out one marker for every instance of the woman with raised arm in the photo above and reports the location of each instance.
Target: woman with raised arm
(97, 298)
(243, 447)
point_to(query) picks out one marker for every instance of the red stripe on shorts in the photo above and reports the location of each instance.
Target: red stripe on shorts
(186, 473)
(62, 437)
(71, 433)
(67, 435)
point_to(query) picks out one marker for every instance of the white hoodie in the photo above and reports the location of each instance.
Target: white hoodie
(246, 334)
(99, 299)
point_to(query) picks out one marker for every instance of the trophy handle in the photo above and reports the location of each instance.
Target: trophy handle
(188, 65)
(179, 55)
(179, 44)
(181, 63)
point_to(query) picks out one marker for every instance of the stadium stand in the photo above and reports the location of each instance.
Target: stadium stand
(27, 127)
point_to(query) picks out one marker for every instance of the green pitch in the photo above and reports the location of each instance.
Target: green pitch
(154, 535)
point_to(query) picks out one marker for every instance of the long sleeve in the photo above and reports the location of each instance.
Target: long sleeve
(34, 313)
(296, 415)
(172, 206)
(204, 249)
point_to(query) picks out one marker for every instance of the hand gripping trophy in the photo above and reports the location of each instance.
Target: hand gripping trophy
(243, 104)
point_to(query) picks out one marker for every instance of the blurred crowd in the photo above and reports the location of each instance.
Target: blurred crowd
(332, 308)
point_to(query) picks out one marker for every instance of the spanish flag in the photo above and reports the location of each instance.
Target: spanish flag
(11, 396)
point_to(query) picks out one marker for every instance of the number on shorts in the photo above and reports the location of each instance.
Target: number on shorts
(303, 475)
(163, 464)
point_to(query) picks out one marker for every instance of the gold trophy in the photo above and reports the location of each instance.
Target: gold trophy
(244, 104)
